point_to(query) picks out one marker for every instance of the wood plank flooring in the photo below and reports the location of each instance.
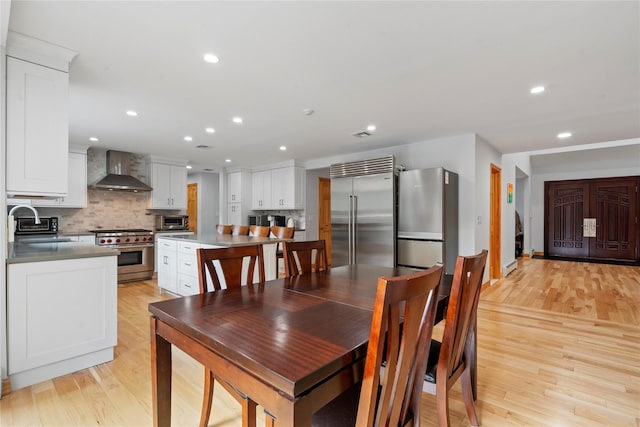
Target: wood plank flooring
(559, 345)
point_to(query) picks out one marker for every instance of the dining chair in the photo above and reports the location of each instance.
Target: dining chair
(281, 233)
(231, 262)
(259, 230)
(223, 229)
(240, 230)
(299, 257)
(399, 339)
(454, 357)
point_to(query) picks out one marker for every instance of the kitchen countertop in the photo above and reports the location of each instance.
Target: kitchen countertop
(225, 239)
(18, 252)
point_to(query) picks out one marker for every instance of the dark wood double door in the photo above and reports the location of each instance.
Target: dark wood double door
(612, 202)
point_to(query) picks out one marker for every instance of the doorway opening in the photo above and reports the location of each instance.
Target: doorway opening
(495, 272)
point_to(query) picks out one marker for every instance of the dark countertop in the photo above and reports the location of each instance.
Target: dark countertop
(225, 239)
(18, 252)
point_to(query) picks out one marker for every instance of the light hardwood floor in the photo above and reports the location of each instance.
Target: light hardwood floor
(559, 345)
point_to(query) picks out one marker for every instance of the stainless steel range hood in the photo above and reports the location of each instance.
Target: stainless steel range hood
(118, 174)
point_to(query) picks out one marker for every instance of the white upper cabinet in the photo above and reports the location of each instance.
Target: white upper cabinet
(169, 183)
(37, 126)
(37, 129)
(238, 196)
(279, 188)
(77, 178)
(262, 190)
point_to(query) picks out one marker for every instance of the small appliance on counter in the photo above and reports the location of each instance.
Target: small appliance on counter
(172, 222)
(27, 225)
(278, 220)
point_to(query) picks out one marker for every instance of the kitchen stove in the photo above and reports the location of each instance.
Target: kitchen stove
(122, 237)
(136, 246)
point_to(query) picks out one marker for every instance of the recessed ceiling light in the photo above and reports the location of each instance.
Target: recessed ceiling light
(237, 120)
(227, 160)
(308, 111)
(211, 58)
(94, 139)
(563, 135)
(371, 128)
(188, 138)
(537, 89)
(283, 148)
(210, 130)
(189, 167)
(132, 113)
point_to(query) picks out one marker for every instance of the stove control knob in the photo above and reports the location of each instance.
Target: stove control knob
(127, 240)
(117, 240)
(109, 240)
(137, 239)
(102, 240)
(144, 239)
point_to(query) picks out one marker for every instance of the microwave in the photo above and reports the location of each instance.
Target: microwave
(172, 222)
(27, 225)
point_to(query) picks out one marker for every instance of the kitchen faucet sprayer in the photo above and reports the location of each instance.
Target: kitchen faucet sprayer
(35, 212)
(11, 224)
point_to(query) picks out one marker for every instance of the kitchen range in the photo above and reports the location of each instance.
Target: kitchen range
(136, 247)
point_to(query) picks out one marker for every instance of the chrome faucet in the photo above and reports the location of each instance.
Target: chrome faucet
(35, 212)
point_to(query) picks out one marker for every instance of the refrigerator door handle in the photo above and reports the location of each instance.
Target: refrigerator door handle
(353, 235)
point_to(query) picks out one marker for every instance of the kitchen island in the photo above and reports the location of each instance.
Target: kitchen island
(177, 263)
(61, 309)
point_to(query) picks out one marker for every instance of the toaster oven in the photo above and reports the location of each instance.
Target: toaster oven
(172, 222)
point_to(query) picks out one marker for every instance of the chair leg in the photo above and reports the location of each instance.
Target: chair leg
(207, 397)
(468, 396)
(442, 403)
(248, 412)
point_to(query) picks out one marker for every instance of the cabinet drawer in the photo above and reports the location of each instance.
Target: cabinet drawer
(188, 264)
(169, 245)
(188, 247)
(187, 285)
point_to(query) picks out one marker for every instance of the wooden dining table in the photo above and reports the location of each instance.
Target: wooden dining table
(290, 345)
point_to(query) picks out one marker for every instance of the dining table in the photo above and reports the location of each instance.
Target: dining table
(291, 345)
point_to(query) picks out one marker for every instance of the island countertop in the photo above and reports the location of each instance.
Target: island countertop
(18, 252)
(225, 240)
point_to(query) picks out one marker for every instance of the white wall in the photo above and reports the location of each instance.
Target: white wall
(3, 209)
(509, 164)
(208, 200)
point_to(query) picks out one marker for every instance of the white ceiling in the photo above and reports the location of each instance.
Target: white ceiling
(418, 70)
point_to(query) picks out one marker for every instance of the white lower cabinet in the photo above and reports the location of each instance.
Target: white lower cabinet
(61, 317)
(178, 265)
(167, 251)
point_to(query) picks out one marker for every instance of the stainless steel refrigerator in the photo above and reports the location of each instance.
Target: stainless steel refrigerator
(428, 218)
(363, 212)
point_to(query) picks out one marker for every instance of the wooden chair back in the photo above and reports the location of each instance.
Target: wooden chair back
(299, 257)
(223, 229)
(454, 357)
(259, 230)
(401, 327)
(283, 232)
(240, 230)
(461, 313)
(231, 261)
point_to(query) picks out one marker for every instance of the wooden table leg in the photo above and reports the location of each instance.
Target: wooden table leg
(474, 361)
(160, 378)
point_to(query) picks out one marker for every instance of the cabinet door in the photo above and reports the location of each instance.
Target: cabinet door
(77, 184)
(167, 265)
(261, 188)
(234, 214)
(161, 184)
(37, 129)
(283, 181)
(178, 187)
(234, 187)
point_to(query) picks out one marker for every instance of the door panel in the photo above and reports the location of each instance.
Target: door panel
(374, 209)
(341, 190)
(568, 203)
(615, 208)
(324, 214)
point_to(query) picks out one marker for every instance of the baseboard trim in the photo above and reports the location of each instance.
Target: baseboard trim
(509, 268)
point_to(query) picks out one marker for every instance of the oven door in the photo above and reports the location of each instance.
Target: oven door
(135, 262)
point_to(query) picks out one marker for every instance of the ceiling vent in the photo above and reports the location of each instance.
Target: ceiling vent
(361, 134)
(202, 147)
